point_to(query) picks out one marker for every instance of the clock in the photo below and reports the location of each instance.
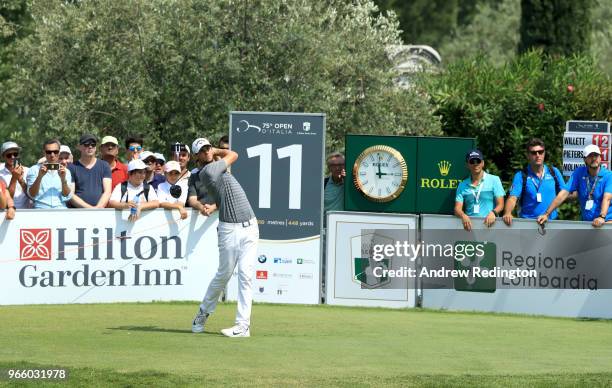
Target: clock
(380, 173)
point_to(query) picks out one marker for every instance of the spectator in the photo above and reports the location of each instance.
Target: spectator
(92, 176)
(224, 142)
(6, 202)
(172, 193)
(536, 185)
(223, 145)
(482, 193)
(182, 156)
(133, 148)
(159, 163)
(109, 151)
(594, 186)
(333, 191)
(49, 182)
(151, 178)
(125, 194)
(13, 174)
(65, 156)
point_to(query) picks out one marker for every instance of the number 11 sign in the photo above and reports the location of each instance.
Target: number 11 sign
(280, 167)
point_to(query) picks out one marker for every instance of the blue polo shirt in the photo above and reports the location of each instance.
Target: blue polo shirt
(530, 207)
(50, 191)
(491, 188)
(582, 182)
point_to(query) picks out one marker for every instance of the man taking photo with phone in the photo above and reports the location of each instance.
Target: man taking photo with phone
(14, 173)
(49, 182)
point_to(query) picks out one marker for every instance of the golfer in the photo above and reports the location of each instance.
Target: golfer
(212, 188)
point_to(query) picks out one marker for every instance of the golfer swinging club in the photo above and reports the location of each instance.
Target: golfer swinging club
(238, 233)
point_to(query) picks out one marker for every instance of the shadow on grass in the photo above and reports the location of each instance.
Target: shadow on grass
(156, 329)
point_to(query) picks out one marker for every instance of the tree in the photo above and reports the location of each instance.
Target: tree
(174, 70)
(14, 25)
(426, 22)
(492, 32)
(558, 27)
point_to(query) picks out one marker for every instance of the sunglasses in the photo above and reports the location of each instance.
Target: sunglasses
(13, 155)
(54, 152)
(537, 152)
(135, 148)
(150, 161)
(475, 161)
(89, 145)
(160, 162)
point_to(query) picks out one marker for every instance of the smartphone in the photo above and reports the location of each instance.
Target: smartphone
(52, 166)
(16, 163)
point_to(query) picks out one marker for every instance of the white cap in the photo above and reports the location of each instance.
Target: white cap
(9, 145)
(65, 148)
(109, 139)
(198, 144)
(591, 148)
(146, 154)
(172, 165)
(136, 164)
(159, 156)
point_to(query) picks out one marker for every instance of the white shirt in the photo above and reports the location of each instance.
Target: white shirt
(131, 192)
(163, 192)
(20, 198)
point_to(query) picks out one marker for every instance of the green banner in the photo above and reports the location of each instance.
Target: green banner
(435, 166)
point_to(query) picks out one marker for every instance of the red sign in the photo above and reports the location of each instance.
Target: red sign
(262, 275)
(35, 244)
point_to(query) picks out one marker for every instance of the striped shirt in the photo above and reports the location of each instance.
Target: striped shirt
(223, 189)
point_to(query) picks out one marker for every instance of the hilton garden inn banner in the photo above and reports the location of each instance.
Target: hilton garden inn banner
(85, 256)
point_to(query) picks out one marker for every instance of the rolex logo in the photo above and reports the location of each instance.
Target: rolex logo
(444, 167)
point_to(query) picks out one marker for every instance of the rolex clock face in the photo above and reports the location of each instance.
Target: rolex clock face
(380, 173)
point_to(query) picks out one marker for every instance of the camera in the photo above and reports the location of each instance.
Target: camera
(176, 191)
(52, 166)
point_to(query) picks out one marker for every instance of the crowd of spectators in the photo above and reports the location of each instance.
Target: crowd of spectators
(99, 178)
(148, 180)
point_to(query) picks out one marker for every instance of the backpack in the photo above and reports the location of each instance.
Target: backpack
(145, 190)
(525, 174)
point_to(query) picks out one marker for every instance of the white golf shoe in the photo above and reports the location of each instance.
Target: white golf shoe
(198, 322)
(236, 331)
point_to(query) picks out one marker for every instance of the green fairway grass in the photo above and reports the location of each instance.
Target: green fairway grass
(152, 345)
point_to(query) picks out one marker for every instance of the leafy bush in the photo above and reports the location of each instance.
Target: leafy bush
(531, 96)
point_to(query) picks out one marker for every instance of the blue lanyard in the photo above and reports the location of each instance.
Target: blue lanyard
(589, 188)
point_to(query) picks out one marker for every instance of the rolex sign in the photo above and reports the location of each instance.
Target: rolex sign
(436, 166)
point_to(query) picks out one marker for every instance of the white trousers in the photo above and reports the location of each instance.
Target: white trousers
(237, 246)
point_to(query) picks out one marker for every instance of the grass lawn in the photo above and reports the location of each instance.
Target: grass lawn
(152, 345)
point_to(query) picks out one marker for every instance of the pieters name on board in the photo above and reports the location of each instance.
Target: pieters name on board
(99, 249)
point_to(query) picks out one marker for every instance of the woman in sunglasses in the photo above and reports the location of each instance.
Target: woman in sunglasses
(481, 193)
